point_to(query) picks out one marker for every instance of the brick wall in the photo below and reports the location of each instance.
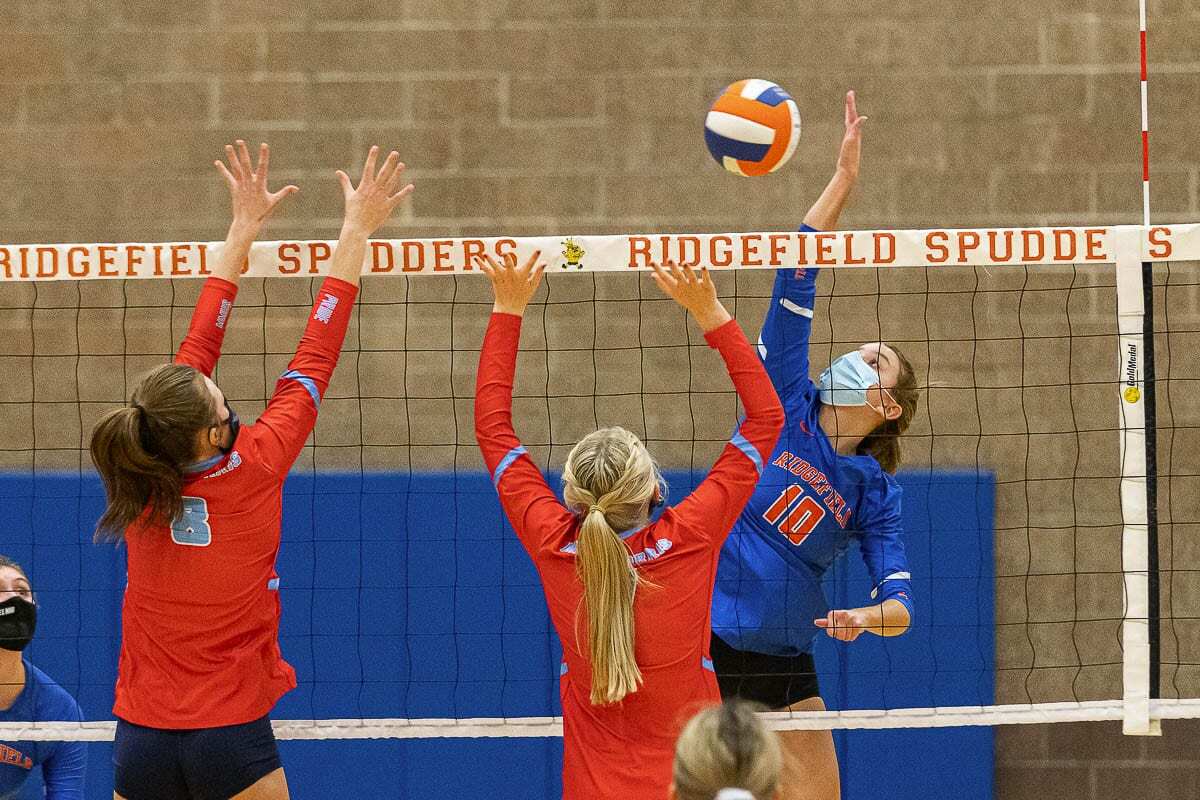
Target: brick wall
(581, 116)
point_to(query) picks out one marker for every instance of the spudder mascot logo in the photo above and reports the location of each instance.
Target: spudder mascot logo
(573, 253)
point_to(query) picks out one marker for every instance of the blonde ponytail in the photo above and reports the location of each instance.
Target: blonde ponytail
(609, 480)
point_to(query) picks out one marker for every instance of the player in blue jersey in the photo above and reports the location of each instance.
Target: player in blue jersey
(827, 486)
(28, 695)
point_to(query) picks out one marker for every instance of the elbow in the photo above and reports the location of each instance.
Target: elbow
(898, 619)
(485, 423)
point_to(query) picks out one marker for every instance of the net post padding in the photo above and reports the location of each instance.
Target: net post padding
(1135, 628)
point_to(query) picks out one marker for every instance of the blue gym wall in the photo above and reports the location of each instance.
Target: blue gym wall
(405, 596)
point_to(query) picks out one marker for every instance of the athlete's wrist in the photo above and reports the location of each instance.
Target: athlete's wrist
(712, 317)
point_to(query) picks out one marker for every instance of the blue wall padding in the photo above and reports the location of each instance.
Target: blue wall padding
(408, 596)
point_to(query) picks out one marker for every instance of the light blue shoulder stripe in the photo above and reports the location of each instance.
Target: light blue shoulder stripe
(707, 664)
(203, 466)
(743, 444)
(305, 381)
(506, 462)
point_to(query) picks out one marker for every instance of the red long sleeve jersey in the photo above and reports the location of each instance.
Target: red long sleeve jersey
(200, 639)
(625, 750)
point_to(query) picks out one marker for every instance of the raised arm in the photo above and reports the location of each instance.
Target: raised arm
(530, 505)
(252, 203)
(717, 501)
(783, 343)
(823, 215)
(292, 411)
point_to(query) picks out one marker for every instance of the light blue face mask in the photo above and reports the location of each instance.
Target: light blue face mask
(846, 381)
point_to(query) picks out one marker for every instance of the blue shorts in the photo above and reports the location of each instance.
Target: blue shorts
(201, 764)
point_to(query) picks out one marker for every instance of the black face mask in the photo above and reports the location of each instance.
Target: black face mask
(18, 619)
(235, 425)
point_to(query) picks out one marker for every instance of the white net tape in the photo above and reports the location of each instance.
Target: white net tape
(545, 727)
(617, 253)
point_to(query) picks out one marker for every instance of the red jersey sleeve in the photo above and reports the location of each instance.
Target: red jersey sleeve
(202, 346)
(530, 505)
(716, 503)
(291, 412)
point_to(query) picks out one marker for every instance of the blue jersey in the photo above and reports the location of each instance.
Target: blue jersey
(62, 763)
(810, 505)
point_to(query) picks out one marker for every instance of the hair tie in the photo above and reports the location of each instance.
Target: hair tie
(595, 508)
(730, 793)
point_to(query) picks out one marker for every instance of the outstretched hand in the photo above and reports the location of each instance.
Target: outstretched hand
(845, 626)
(252, 201)
(371, 203)
(848, 157)
(513, 286)
(694, 292)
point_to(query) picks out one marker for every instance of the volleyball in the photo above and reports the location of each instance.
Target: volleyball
(753, 127)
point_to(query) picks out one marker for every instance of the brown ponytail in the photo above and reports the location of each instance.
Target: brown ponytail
(140, 450)
(884, 442)
(609, 480)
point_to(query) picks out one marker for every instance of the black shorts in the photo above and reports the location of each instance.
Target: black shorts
(773, 681)
(202, 764)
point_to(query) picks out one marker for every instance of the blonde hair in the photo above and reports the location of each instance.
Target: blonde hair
(609, 480)
(725, 747)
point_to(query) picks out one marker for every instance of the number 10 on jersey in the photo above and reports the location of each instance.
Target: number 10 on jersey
(802, 518)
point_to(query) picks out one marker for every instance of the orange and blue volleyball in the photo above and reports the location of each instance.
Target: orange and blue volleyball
(753, 127)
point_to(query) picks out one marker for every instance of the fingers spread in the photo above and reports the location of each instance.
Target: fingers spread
(264, 160)
(368, 173)
(394, 179)
(492, 263)
(388, 168)
(400, 195)
(231, 156)
(244, 158)
(529, 262)
(486, 265)
(226, 174)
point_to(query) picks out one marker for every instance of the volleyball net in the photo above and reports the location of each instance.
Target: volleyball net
(1050, 472)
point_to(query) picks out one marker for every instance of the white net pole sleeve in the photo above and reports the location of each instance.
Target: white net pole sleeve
(1135, 628)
